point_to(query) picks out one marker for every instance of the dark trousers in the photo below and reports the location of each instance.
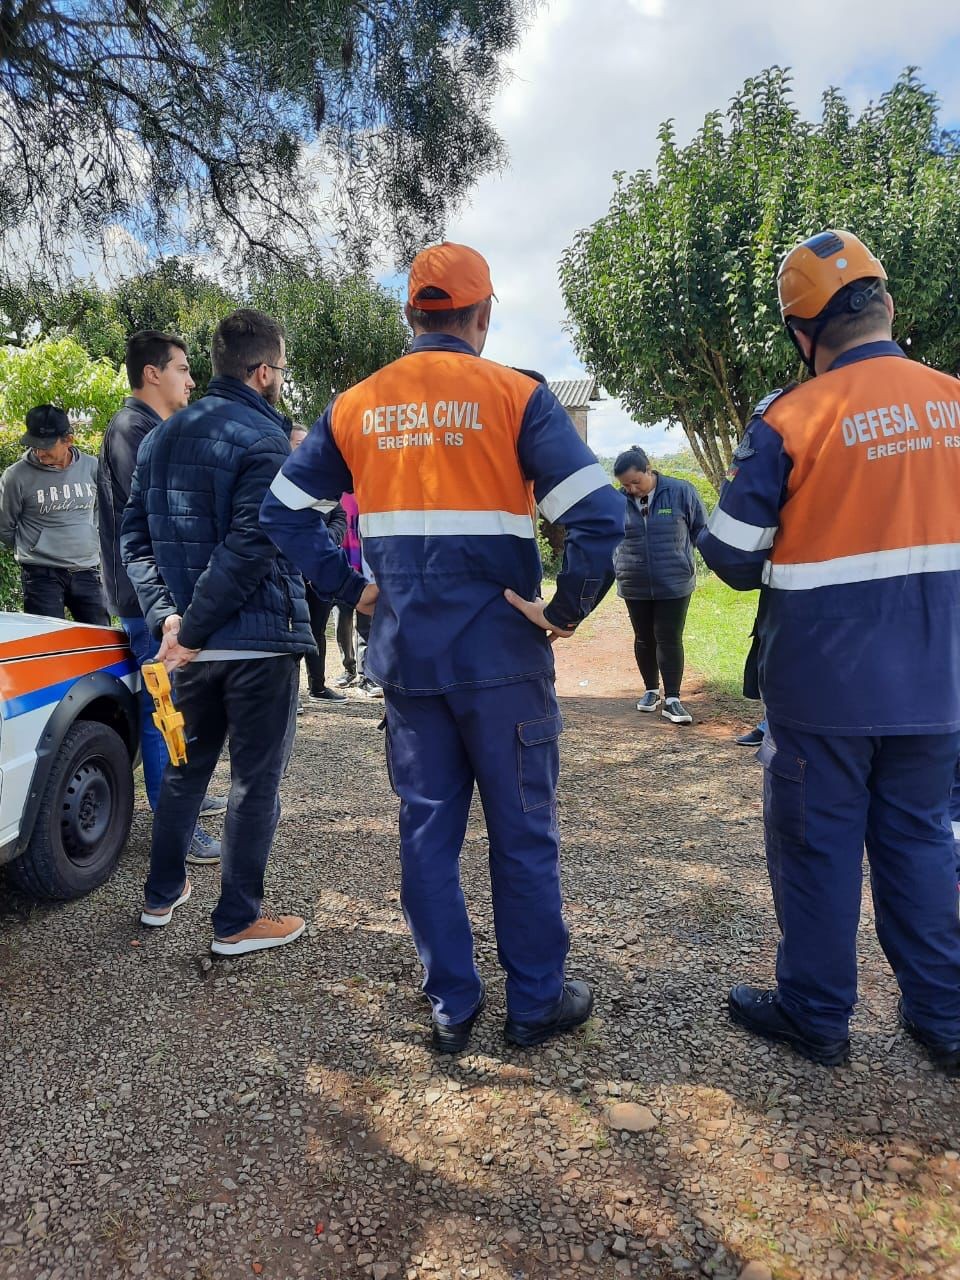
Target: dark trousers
(347, 638)
(252, 702)
(824, 798)
(48, 591)
(505, 739)
(364, 622)
(658, 641)
(317, 662)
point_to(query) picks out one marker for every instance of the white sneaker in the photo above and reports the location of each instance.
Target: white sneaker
(673, 709)
(650, 700)
(157, 918)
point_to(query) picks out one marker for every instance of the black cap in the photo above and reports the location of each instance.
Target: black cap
(46, 423)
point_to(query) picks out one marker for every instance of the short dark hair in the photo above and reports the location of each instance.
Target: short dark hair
(244, 339)
(840, 323)
(149, 346)
(630, 458)
(457, 318)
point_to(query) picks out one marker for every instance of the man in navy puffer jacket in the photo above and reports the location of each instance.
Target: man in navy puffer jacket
(233, 620)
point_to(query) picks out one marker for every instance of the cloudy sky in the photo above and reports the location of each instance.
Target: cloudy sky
(592, 82)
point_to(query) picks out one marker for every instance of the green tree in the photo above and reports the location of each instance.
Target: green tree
(338, 330)
(59, 371)
(671, 296)
(227, 124)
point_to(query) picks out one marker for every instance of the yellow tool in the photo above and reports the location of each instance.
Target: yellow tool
(166, 717)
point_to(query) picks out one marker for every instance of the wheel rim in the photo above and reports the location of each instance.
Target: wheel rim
(87, 810)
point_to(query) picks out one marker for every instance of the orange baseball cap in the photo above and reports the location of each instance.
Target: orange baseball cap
(456, 269)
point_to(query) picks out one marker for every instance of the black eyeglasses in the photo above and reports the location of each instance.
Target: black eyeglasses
(284, 369)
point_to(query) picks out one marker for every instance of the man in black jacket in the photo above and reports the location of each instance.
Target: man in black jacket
(233, 620)
(320, 609)
(158, 370)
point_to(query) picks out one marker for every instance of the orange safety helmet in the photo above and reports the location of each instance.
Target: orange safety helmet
(813, 273)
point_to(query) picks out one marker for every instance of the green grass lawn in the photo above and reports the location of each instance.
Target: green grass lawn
(717, 636)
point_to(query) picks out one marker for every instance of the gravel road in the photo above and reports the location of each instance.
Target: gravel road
(165, 1115)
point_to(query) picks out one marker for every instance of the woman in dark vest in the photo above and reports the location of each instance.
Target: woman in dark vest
(656, 576)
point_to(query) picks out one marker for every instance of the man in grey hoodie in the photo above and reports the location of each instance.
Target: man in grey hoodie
(48, 514)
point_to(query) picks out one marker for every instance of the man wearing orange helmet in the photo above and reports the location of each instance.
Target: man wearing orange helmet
(841, 503)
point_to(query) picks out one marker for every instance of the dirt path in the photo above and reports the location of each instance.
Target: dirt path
(282, 1116)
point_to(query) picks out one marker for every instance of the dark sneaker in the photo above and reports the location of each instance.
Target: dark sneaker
(346, 680)
(944, 1054)
(650, 700)
(759, 1011)
(157, 917)
(575, 1008)
(203, 850)
(370, 689)
(213, 804)
(673, 709)
(455, 1037)
(752, 739)
(326, 695)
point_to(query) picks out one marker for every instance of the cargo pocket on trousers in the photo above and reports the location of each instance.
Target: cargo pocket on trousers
(538, 760)
(784, 785)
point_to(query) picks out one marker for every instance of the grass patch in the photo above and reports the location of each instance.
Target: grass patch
(717, 638)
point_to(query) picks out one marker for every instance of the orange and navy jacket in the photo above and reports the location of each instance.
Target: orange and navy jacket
(842, 503)
(449, 456)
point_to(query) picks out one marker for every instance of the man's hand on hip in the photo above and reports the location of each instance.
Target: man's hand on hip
(368, 600)
(532, 610)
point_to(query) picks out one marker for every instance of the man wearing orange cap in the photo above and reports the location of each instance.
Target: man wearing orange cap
(449, 455)
(842, 503)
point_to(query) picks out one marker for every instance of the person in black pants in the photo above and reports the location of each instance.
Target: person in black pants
(316, 663)
(232, 623)
(656, 576)
(48, 516)
(317, 688)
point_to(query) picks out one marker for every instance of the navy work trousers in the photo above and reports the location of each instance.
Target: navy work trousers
(824, 799)
(506, 739)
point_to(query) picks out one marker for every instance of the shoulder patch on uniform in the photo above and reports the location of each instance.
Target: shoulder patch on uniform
(767, 401)
(744, 449)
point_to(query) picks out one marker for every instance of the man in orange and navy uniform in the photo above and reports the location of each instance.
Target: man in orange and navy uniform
(449, 456)
(842, 503)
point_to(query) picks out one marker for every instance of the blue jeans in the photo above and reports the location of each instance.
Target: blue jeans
(505, 739)
(824, 798)
(253, 703)
(153, 749)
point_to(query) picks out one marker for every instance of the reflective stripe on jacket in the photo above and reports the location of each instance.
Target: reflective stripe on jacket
(842, 500)
(449, 456)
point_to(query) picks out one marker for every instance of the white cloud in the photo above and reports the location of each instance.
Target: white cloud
(593, 82)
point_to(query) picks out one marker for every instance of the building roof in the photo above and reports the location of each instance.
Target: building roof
(575, 393)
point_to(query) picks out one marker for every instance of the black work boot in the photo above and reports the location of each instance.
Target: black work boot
(760, 1012)
(944, 1054)
(575, 1007)
(455, 1036)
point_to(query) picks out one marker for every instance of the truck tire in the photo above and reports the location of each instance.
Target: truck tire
(84, 816)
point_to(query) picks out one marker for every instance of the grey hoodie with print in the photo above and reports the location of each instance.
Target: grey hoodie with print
(49, 514)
